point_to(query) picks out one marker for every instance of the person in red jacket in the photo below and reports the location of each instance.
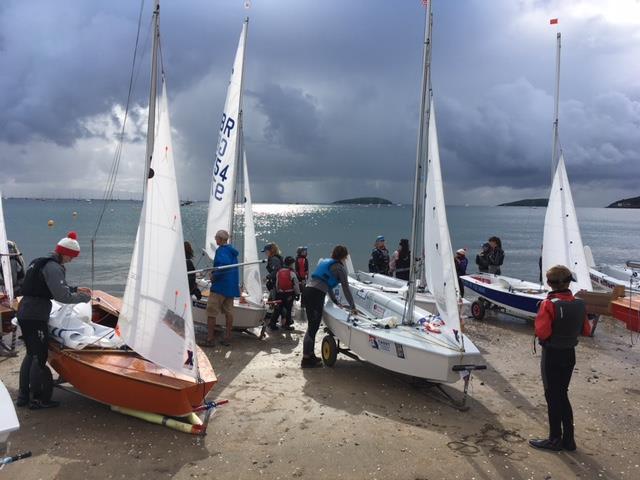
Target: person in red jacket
(561, 319)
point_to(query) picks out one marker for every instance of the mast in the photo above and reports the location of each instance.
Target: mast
(239, 136)
(415, 266)
(153, 91)
(555, 154)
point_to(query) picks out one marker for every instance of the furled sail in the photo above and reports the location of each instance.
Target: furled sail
(156, 319)
(221, 196)
(562, 243)
(251, 273)
(440, 270)
(7, 275)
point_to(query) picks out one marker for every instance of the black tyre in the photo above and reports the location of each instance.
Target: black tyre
(329, 351)
(478, 310)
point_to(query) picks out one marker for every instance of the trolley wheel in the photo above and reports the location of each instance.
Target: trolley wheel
(329, 351)
(478, 310)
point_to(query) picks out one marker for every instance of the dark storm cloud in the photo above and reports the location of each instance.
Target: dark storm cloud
(332, 91)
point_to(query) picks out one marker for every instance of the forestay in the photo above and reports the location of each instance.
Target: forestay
(439, 265)
(562, 243)
(221, 196)
(7, 275)
(251, 273)
(156, 320)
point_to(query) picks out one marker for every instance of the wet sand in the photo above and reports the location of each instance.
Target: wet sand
(356, 420)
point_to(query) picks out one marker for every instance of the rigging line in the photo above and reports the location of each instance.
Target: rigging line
(108, 194)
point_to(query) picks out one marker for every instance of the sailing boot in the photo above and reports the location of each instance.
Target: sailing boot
(23, 392)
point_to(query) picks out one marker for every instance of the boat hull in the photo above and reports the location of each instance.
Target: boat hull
(8, 418)
(606, 277)
(245, 315)
(516, 297)
(125, 379)
(627, 310)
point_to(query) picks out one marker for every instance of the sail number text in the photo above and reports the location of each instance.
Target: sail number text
(217, 186)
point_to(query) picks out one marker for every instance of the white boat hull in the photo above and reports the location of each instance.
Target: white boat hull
(8, 418)
(406, 349)
(607, 277)
(388, 284)
(245, 315)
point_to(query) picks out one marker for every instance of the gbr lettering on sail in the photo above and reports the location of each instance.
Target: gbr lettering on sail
(225, 156)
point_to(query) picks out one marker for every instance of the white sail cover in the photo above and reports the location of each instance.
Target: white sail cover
(440, 269)
(562, 243)
(156, 320)
(251, 273)
(221, 196)
(4, 258)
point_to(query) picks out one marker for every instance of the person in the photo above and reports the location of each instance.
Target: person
(274, 263)
(328, 274)
(482, 258)
(379, 261)
(560, 319)
(461, 262)
(225, 286)
(302, 266)
(495, 255)
(287, 289)
(17, 268)
(193, 286)
(400, 261)
(44, 280)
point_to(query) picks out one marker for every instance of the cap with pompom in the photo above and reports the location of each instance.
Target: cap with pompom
(69, 245)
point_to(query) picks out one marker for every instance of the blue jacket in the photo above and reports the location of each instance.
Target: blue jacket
(226, 282)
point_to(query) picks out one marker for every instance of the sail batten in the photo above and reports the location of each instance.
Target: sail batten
(225, 165)
(156, 319)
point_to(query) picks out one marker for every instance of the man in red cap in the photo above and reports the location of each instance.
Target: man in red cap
(44, 280)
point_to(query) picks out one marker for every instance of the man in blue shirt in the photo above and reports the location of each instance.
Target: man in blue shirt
(225, 285)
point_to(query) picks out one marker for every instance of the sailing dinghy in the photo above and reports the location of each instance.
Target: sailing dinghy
(7, 299)
(606, 277)
(248, 310)
(391, 332)
(160, 372)
(562, 245)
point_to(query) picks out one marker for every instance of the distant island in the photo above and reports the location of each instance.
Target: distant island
(626, 203)
(363, 201)
(527, 202)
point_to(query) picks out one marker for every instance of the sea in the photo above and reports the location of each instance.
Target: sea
(612, 234)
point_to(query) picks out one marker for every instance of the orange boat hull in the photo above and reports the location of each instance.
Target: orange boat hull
(125, 379)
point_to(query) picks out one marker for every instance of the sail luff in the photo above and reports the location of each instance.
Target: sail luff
(5, 259)
(222, 193)
(250, 273)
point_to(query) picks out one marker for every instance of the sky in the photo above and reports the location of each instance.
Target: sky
(332, 93)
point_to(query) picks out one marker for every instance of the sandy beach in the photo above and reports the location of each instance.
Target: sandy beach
(356, 421)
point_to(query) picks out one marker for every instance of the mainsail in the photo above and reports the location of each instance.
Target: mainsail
(440, 270)
(223, 182)
(562, 243)
(251, 273)
(4, 256)
(156, 320)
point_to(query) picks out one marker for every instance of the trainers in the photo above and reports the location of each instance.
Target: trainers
(273, 326)
(40, 404)
(554, 444)
(310, 362)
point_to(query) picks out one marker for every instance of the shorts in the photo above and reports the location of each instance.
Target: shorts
(217, 303)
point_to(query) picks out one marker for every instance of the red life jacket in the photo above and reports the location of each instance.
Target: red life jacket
(285, 283)
(301, 268)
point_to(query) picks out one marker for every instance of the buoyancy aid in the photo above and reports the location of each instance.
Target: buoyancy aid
(34, 283)
(323, 272)
(285, 282)
(567, 324)
(302, 268)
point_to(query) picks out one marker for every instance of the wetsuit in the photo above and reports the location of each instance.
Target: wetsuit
(560, 320)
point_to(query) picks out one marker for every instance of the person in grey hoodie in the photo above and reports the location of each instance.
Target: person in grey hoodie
(44, 280)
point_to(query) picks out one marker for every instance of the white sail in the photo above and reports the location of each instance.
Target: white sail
(251, 273)
(562, 243)
(7, 275)
(221, 196)
(156, 320)
(440, 269)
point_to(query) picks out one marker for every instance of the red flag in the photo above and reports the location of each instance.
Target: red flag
(553, 21)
